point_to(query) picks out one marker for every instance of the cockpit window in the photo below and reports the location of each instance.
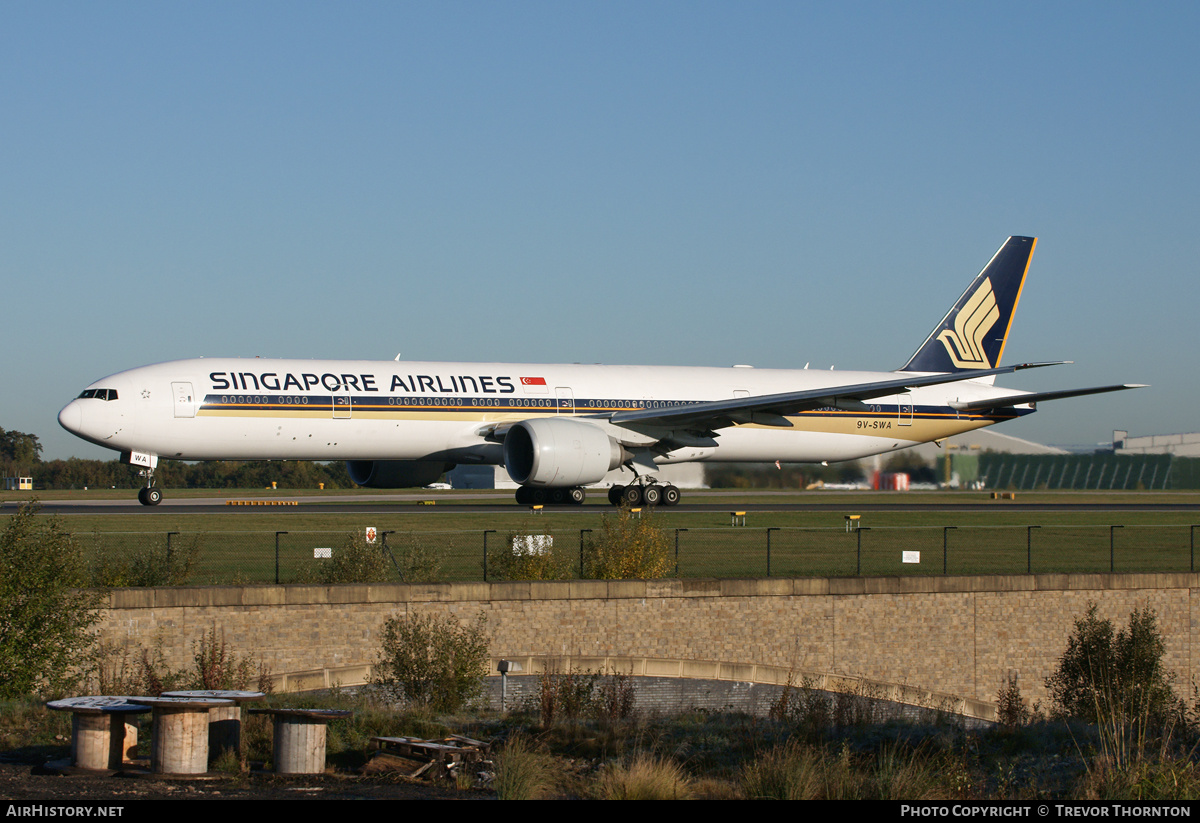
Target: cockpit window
(100, 394)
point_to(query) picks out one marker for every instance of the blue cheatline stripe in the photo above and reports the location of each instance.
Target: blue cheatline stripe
(464, 405)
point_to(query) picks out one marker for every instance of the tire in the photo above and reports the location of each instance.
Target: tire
(153, 496)
(631, 496)
(523, 496)
(558, 496)
(142, 496)
(670, 496)
(652, 495)
(614, 495)
(576, 496)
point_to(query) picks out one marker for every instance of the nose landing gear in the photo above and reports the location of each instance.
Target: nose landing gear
(149, 495)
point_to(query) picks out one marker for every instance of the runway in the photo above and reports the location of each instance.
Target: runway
(234, 503)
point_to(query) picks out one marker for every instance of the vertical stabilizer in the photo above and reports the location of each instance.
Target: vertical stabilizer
(972, 334)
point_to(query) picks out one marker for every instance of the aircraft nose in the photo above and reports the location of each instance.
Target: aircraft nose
(71, 417)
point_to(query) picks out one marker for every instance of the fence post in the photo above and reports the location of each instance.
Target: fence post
(388, 549)
(277, 556)
(677, 531)
(486, 532)
(1029, 548)
(946, 548)
(771, 529)
(1111, 552)
(581, 532)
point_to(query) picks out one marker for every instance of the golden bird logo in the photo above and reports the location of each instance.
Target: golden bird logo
(964, 343)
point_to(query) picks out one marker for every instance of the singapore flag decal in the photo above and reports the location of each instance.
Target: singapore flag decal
(534, 385)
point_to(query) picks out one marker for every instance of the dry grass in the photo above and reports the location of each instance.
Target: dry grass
(643, 777)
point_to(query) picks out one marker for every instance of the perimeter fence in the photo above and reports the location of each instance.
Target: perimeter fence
(231, 557)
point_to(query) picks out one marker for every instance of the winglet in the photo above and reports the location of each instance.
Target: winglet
(972, 334)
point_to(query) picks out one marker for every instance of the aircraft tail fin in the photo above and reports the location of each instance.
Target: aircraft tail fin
(973, 333)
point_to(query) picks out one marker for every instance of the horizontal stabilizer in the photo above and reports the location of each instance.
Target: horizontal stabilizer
(1022, 399)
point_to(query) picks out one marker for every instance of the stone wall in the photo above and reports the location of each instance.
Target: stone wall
(951, 635)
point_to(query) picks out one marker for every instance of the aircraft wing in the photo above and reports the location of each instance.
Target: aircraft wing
(1022, 399)
(771, 409)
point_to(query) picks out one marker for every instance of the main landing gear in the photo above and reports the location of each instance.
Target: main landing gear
(644, 494)
(561, 496)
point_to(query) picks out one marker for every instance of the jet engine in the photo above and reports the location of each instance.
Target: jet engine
(559, 451)
(395, 474)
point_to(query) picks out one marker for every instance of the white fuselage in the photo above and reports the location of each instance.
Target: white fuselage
(257, 409)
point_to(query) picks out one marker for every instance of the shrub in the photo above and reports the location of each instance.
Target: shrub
(219, 668)
(357, 561)
(45, 620)
(1105, 673)
(432, 662)
(574, 695)
(1012, 711)
(417, 559)
(530, 555)
(162, 562)
(628, 548)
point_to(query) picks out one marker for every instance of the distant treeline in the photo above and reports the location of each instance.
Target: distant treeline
(170, 474)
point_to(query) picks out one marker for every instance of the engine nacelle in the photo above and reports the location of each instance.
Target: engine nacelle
(395, 474)
(559, 451)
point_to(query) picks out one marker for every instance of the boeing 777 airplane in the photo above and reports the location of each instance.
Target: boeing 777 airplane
(558, 428)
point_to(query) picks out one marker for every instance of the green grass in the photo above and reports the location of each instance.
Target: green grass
(988, 537)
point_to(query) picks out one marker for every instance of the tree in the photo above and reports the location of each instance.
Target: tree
(433, 662)
(20, 448)
(45, 619)
(1105, 673)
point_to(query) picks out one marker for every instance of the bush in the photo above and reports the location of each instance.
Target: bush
(574, 695)
(45, 620)
(161, 563)
(1012, 711)
(1106, 673)
(530, 555)
(417, 559)
(357, 561)
(628, 548)
(432, 662)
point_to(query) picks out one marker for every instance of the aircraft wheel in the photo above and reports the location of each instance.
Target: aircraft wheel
(631, 496)
(537, 496)
(614, 495)
(670, 496)
(523, 496)
(558, 496)
(142, 496)
(652, 495)
(576, 496)
(152, 497)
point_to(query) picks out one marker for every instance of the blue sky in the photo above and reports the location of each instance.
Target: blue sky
(670, 183)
